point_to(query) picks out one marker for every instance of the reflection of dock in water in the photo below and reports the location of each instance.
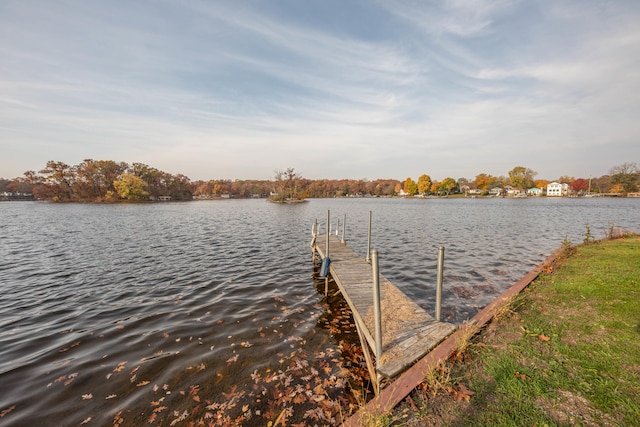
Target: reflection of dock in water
(408, 332)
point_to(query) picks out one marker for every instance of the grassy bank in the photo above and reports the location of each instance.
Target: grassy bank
(564, 352)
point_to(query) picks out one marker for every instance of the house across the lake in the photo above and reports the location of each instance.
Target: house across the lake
(536, 192)
(557, 189)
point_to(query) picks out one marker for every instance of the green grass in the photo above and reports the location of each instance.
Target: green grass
(570, 352)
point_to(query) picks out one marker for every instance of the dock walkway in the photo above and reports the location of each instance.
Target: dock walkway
(408, 331)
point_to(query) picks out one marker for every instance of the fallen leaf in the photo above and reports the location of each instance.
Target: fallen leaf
(543, 337)
(464, 393)
(318, 389)
(522, 376)
(7, 411)
(142, 383)
(87, 396)
(233, 359)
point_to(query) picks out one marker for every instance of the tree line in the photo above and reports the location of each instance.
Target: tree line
(100, 181)
(110, 181)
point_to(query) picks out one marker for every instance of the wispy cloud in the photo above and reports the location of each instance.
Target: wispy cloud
(221, 89)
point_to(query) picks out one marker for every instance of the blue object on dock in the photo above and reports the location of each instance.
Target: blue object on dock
(324, 269)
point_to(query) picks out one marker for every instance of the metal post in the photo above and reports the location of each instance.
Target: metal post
(326, 254)
(337, 226)
(344, 225)
(439, 282)
(377, 315)
(314, 234)
(326, 279)
(369, 241)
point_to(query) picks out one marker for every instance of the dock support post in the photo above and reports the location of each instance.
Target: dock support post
(377, 315)
(326, 279)
(369, 241)
(439, 282)
(344, 225)
(314, 234)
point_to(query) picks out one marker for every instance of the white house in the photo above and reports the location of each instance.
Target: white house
(495, 191)
(534, 191)
(557, 189)
(515, 192)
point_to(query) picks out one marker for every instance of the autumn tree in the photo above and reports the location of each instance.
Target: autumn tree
(522, 177)
(447, 186)
(579, 185)
(397, 188)
(435, 187)
(626, 176)
(95, 178)
(566, 179)
(286, 185)
(601, 184)
(424, 183)
(484, 181)
(131, 187)
(410, 187)
(541, 183)
(58, 179)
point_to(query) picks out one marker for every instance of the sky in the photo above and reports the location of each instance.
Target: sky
(334, 88)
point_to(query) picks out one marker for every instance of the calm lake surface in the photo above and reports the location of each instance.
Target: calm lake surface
(162, 314)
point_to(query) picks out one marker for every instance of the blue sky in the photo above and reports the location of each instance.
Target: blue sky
(335, 89)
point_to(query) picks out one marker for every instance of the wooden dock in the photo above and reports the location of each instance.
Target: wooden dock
(408, 331)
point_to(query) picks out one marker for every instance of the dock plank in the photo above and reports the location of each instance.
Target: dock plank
(409, 332)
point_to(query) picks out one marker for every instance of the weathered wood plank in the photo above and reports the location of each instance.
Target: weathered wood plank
(409, 332)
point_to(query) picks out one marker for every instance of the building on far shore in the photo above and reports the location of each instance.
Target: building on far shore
(534, 191)
(557, 189)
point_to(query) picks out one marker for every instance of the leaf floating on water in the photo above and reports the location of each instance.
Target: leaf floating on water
(87, 396)
(142, 383)
(75, 344)
(232, 359)
(194, 389)
(71, 378)
(7, 411)
(117, 419)
(111, 396)
(86, 421)
(180, 417)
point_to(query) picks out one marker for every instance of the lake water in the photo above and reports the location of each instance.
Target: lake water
(162, 314)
